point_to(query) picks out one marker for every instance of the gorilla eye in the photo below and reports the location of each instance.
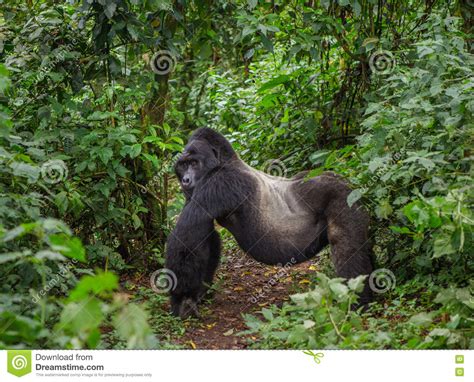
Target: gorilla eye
(193, 163)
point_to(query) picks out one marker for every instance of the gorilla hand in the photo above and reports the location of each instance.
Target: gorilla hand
(184, 307)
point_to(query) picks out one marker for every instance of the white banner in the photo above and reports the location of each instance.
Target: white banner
(237, 365)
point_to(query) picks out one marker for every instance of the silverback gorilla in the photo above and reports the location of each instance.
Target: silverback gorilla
(274, 219)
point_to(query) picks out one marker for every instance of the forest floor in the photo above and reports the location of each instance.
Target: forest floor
(242, 286)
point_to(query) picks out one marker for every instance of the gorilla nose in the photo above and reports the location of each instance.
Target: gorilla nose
(186, 180)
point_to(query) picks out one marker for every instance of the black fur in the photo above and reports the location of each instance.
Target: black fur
(275, 220)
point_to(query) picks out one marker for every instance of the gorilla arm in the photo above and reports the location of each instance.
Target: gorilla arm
(193, 248)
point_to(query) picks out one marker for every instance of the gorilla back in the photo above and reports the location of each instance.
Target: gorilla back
(274, 219)
(275, 225)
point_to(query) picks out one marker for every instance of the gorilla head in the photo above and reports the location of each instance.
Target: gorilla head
(197, 160)
(200, 156)
(274, 219)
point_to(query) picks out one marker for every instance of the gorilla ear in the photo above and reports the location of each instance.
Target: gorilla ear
(212, 160)
(216, 154)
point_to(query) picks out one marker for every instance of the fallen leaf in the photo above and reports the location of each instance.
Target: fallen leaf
(229, 332)
(193, 345)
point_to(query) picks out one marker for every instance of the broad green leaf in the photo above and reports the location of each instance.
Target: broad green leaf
(442, 246)
(135, 150)
(422, 319)
(11, 256)
(105, 153)
(339, 289)
(357, 284)
(99, 285)
(82, 317)
(266, 42)
(267, 313)
(252, 3)
(132, 326)
(274, 83)
(383, 209)
(354, 196)
(68, 246)
(25, 170)
(49, 255)
(109, 9)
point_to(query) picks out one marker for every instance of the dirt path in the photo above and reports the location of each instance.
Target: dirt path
(243, 286)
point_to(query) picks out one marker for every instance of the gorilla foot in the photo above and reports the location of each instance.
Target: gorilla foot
(187, 308)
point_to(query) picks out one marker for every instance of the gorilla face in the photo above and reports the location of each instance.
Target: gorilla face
(197, 160)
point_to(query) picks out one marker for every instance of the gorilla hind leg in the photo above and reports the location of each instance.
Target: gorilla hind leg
(350, 246)
(319, 243)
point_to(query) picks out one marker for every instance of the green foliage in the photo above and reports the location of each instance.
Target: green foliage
(321, 319)
(40, 262)
(413, 164)
(82, 113)
(88, 306)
